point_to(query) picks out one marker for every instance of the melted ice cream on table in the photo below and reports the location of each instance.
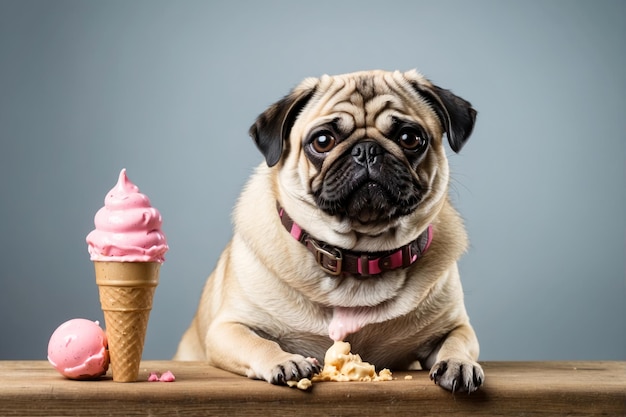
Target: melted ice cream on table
(342, 366)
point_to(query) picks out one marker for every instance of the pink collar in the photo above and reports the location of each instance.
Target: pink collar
(335, 261)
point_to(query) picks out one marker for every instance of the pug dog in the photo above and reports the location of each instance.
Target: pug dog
(345, 232)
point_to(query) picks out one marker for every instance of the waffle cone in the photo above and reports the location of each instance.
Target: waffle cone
(126, 293)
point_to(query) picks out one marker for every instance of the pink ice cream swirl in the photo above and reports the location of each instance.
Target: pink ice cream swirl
(128, 228)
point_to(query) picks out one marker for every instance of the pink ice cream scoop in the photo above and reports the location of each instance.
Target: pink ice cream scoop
(78, 349)
(128, 228)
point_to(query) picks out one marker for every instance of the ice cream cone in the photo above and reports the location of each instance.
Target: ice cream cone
(127, 248)
(126, 293)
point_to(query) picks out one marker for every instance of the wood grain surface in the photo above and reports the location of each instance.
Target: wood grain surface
(34, 388)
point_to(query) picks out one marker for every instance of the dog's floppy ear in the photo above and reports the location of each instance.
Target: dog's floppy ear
(456, 114)
(272, 128)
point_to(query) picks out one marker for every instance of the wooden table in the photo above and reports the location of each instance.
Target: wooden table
(34, 388)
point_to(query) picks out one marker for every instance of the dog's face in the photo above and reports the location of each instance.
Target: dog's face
(363, 152)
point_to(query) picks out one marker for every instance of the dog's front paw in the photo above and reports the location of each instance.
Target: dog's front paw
(293, 369)
(457, 375)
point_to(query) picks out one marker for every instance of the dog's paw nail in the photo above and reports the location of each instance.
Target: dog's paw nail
(478, 380)
(457, 375)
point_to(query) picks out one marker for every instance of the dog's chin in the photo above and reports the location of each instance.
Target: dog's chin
(369, 207)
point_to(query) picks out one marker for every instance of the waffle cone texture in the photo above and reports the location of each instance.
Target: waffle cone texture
(126, 294)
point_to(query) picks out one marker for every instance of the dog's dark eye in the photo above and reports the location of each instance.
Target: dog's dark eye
(412, 140)
(323, 142)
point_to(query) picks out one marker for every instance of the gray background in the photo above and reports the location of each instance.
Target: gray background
(168, 90)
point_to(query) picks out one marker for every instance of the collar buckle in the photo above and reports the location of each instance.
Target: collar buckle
(329, 262)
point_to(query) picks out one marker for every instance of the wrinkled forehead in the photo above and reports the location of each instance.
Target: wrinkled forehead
(368, 99)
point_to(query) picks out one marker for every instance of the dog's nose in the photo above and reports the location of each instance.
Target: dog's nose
(367, 153)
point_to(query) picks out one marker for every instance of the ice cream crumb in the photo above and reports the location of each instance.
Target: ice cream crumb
(167, 376)
(303, 384)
